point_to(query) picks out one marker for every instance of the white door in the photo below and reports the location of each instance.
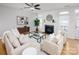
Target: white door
(64, 23)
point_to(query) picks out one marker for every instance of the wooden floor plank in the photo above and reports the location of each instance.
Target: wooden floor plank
(71, 47)
(2, 48)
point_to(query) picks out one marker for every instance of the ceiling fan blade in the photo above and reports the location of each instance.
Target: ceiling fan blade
(37, 5)
(26, 7)
(37, 8)
(28, 4)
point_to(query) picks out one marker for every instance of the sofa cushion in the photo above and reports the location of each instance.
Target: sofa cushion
(13, 40)
(15, 32)
(52, 38)
(24, 39)
(16, 43)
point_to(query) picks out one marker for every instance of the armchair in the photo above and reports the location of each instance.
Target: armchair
(53, 47)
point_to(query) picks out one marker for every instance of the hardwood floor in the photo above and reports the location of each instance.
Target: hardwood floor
(70, 48)
(2, 48)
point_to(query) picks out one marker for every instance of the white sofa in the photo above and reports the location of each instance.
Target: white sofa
(11, 50)
(54, 45)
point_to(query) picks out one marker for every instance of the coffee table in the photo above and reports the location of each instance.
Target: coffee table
(38, 36)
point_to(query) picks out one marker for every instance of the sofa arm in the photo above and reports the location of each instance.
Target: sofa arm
(8, 45)
(50, 42)
(60, 44)
(50, 47)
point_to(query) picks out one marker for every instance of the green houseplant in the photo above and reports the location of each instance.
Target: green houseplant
(36, 22)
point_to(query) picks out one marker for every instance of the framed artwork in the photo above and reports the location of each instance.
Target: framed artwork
(26, 21)
(21, 20)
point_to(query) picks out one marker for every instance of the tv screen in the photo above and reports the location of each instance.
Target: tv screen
(49, 29)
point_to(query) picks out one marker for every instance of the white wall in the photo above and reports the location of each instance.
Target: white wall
(72, 20)
(43, 17)
(8, 18)
(31, 16)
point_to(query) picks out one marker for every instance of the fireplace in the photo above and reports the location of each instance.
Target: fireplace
(49, 29)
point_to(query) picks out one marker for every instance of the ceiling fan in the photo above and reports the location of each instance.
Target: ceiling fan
(32, 6)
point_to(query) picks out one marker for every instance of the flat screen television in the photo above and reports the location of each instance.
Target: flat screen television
(49, 29)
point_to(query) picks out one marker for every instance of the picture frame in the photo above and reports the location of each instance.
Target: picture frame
(26, 21)
(21, 20)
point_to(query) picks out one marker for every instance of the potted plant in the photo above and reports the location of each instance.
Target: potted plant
(36, 22)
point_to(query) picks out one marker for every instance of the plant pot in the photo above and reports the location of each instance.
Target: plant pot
(37, 29)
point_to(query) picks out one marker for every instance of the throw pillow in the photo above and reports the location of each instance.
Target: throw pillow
(51, 37)
(55, 40)
(59, 36)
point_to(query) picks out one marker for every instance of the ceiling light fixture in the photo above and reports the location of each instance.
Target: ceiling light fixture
(32, 8)
(65, 12)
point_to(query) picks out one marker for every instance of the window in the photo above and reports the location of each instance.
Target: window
(77, 22)
(63, 20)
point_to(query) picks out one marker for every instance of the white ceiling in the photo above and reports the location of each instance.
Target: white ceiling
(43, 6)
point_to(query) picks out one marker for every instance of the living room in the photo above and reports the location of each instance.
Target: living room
(37, 24)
